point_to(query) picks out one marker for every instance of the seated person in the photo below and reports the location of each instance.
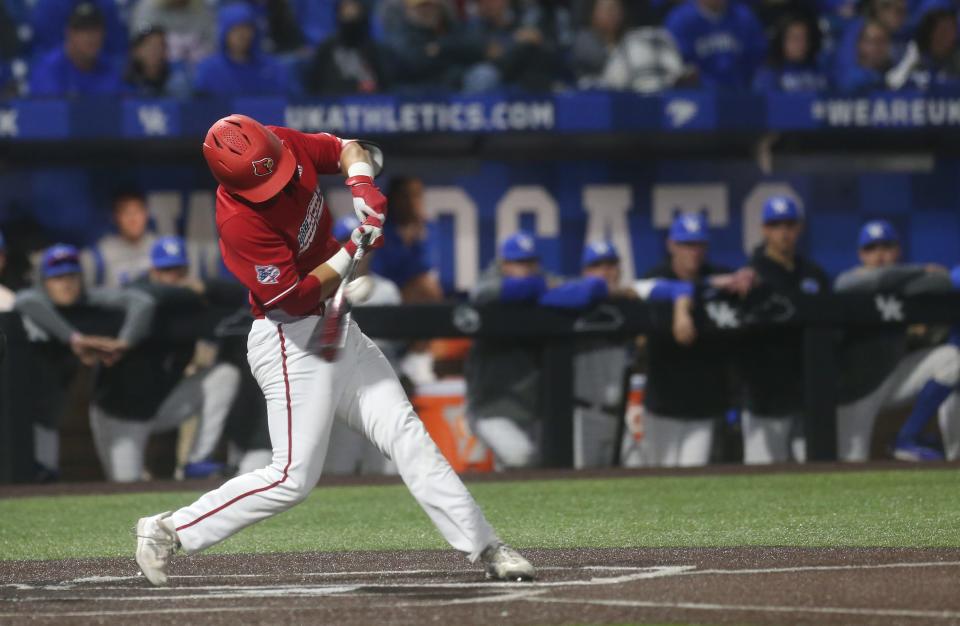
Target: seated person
(165, 381)
(240, 67)
(877, 371)
(932, 60)
(793, 66)
(721, 41)
(405, 261)
(119, 258)
(80, 67)
(47, 310)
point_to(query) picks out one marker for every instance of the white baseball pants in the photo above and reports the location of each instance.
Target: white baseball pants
(676, 442)
(303, 395)
(767, 439)
(122, 443)
(594, 437)
(855, 419)
(512, 445)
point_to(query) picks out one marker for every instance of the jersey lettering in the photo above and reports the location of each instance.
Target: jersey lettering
(308, 230)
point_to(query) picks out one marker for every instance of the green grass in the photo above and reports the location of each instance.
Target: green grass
(890, 509)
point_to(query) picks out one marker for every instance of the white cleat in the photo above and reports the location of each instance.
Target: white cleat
(156, 543)
(504, 563)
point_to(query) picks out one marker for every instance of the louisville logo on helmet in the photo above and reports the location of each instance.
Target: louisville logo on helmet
(263, 167)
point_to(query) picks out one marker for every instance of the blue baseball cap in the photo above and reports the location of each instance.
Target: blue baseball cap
(955, 276)
(60, 259)
(690, 228)
(168, 252)
(598, 252)
(344, 226)
(877, 231)
(519, 247)
(781, 209)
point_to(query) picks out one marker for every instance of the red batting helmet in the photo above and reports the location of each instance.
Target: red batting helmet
(247, 158)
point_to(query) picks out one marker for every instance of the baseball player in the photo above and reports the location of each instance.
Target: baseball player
(160, 385)
(678, 424)
(119, 259)
(45, 310)
(275, 238)
(599, 369)
(6, 295)
(877, 372)
(772, 362)
(503, 376)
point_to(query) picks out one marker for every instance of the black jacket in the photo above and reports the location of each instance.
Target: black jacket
(687, 381)
(771, 362)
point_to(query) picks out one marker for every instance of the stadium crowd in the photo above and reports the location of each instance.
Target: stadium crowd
(182, 48)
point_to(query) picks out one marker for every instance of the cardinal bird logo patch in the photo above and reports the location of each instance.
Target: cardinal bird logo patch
(267, 274)
(263, 167)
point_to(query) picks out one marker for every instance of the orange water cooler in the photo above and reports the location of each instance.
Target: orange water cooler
(442, 408)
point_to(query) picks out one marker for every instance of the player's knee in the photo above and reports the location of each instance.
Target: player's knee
(224, 376)
(948, 366)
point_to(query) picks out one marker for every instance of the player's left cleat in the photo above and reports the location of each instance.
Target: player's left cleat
(504, 563)
(156, 543)
(915, 453)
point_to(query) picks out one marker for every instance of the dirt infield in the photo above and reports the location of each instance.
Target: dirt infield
(585, 586)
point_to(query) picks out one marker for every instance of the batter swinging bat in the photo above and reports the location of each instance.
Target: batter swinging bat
(331, 334)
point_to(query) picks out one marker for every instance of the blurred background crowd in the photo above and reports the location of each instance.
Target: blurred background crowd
(181, 48)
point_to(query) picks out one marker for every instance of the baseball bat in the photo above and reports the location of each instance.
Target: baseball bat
(331, 335)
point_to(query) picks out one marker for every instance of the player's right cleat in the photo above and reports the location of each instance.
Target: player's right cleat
(915, 453)
(504, 563)
(156, 543)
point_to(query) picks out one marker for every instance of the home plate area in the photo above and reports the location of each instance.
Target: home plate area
(576, 586)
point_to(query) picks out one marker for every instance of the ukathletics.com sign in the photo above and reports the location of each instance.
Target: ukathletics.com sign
(423, 117)
(887, 112)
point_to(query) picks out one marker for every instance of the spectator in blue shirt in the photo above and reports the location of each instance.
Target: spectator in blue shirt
(241, 68)
(932, 61)
(80, 67)
(721, 41)
(793, 65)
(867, 72)
(892, 15)
(49, 17)
(149, 72)
(405, 257)
(405, 260)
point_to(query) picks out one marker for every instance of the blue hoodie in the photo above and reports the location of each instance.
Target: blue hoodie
(55, 75)
(726, 49)
(261, 75)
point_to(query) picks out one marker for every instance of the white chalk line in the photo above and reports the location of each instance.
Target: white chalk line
(529, 591)
(703, 606)
(220, 591)
(819, 568)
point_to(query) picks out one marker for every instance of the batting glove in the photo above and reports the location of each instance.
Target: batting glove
(367, 199)
(372, 228)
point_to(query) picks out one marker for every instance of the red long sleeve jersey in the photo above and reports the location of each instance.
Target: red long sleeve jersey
(271, 247)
